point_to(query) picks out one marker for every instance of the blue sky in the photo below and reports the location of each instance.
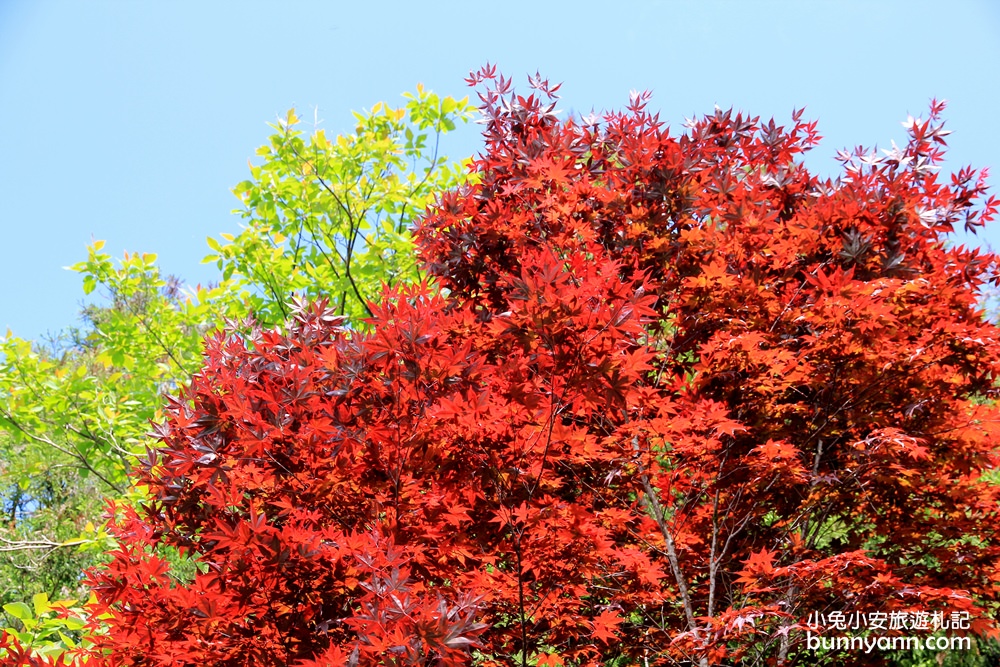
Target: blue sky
(131, 121)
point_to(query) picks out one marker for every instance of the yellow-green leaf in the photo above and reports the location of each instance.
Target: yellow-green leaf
(18, 610)
(41, 603)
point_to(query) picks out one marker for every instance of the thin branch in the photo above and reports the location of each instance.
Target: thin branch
(47, 441)
(652, 503)
(38, 545)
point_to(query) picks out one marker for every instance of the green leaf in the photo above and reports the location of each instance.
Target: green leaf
(41, 603)
(74, 623)
(19, 610)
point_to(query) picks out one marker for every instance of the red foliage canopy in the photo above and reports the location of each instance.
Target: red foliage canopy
(669, 395)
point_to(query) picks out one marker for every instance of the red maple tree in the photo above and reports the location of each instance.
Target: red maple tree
(667, 396)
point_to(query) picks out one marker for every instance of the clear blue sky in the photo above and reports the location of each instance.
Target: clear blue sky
(131, 121)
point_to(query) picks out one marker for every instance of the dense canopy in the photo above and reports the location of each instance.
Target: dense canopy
(661, 398)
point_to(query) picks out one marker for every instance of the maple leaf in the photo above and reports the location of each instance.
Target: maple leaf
(777, 450)
(604, 626)
(760, 562)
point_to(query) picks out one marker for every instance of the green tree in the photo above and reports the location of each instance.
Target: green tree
(331, 218)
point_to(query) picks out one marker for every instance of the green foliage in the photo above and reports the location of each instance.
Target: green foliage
(89, 404)
(50, 626)
(47, 515)
(331, 218)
